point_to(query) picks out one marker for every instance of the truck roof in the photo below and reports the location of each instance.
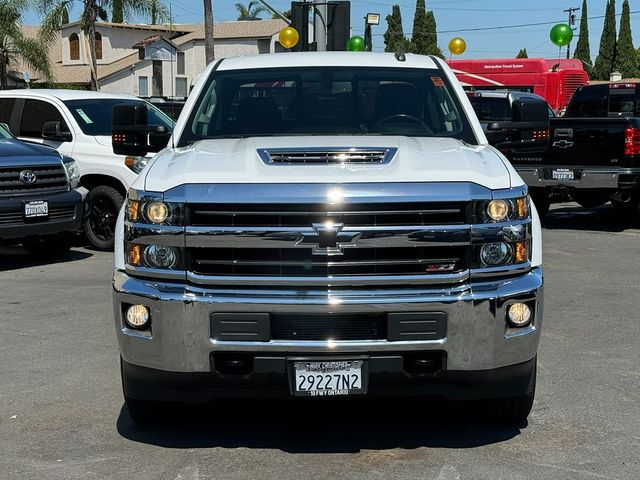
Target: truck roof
(61, 94)
(333, 59)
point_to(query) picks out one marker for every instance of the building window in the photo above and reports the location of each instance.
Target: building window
(180, 58)
(98, 46)
(74, 47)
(143, 86)
(181, 87)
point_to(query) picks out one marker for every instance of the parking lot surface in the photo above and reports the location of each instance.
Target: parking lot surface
(62, 416)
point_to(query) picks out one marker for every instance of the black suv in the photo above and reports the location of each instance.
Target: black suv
(41, 203)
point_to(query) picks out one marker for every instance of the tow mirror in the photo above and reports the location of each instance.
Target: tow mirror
(131, 133)
(56, 131)
(528, 130)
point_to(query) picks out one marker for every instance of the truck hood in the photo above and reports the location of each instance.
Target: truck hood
(18, 148)
(416, 160)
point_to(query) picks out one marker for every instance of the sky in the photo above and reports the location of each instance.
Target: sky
(454, 18)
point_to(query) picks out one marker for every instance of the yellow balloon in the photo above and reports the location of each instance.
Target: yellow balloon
(288, 37)
(457, 46)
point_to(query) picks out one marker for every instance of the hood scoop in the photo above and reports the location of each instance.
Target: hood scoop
(327, 156)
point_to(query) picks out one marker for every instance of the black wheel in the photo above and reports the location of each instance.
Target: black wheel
(104, 205)
(48, 247)
(514, 409)
(542, 202)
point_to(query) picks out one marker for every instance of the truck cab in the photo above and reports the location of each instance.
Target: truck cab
(326, 224)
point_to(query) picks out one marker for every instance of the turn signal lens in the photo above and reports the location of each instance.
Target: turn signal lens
(521, 252)
(137, 317)
(521, 208)
(519, 314)
(133, 210)
(498, 210)
(157, 212)
(134, 255)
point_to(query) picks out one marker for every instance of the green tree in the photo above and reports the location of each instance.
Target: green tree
(250, 11)
(626, 61)
(604, 61)
(16, 48)
(394, 38)
(157, 11)
(582, 51)
(55, 11)
(522, 53)
(432, 28)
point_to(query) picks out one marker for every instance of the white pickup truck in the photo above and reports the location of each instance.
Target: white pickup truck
(326, 224)
(78, 124)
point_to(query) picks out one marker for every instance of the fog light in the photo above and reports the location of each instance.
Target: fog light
(519, 314)
(137, 317)
(157, 212)
(498, 210)
(159, 256)
(493, 254)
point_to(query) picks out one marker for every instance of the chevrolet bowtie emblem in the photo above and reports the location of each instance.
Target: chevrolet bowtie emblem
(328, 239)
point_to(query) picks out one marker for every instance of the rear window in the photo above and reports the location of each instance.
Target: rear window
(592, 101)
(623, 100)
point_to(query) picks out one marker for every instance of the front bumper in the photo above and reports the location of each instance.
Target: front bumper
(477, 340)
(66, 213)
(585, 177)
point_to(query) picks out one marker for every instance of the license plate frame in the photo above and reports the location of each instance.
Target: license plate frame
(563, 174)
(35, 209)
(329, 373)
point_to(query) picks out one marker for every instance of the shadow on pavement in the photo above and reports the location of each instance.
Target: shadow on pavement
(571, 216)
(15, 257)
(328, 427)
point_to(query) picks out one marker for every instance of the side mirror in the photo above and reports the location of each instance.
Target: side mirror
(131, 134)
(56, 131)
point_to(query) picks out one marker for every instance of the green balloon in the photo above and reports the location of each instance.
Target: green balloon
(561, 34)
(355, 44)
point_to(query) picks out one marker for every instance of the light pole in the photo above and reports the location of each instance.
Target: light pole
(370, 19)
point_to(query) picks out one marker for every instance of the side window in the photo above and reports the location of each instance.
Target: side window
(74, 47)
(34, 114)
(6, 106)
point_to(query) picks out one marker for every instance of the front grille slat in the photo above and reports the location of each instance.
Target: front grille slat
(339, 156)
(49, 179)
(335, 327)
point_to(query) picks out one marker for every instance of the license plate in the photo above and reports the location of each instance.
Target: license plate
(36, 209)
(319, 379)
(562, 174)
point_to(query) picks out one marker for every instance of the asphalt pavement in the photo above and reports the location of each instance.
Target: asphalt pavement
(62, 415)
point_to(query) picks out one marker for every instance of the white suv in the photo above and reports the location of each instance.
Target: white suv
(78, 124)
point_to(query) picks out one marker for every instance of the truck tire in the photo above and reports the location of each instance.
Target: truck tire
(48, 247)
(514, 409)
(104, 204)
(542, 202)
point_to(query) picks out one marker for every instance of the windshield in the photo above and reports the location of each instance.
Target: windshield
(94, 116)
(4, 132)
(327, 101)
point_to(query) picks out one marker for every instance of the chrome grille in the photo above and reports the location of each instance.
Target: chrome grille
(49, 179)
(338, 156)
(288, 241)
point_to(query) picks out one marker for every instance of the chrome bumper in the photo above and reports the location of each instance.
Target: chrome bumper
(478, 337)
(589, 178)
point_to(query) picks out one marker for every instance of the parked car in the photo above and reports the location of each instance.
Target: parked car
(172, 107)
(326, 224)
(594, 151)
(41, 202)
(78, 124)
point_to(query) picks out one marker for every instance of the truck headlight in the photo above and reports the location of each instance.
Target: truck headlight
(136, 164)
(494, 254)
(504, 209)
(498, 210)
(160, 256)
(157, 212)
(72, 171)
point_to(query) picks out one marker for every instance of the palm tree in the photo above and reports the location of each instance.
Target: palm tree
(159, 12)
(250, 11)
(54, 12)
(209, 52)
(16, 47)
